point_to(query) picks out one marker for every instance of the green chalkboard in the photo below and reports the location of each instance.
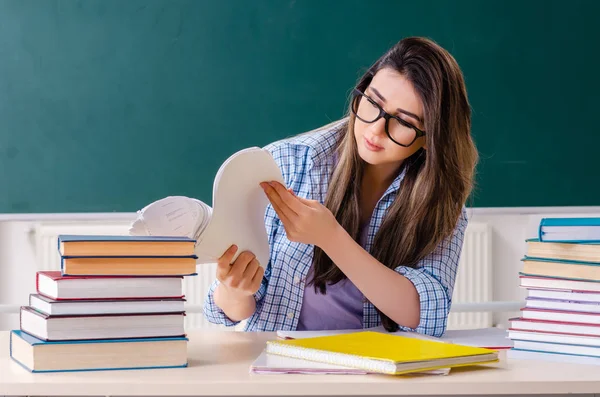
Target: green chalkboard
(107, 105)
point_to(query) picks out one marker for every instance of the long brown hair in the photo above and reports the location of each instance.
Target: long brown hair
(438, 180)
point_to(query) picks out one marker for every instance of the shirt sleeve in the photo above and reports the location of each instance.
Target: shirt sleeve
(212, 312)
(434, 278)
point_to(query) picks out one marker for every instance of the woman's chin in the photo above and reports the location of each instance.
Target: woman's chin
(370, 157)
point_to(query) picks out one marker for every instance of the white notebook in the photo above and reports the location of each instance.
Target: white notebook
(236, 216)
(276, 364)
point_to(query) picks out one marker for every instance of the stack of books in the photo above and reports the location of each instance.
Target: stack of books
(116, 303)
(561, 273)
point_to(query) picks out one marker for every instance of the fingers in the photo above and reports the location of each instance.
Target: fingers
(247, 282)
(307, 202)
(251, 269)
(277, 201)
(289, 199)
(257, 279)
(287, 222)
(236, 274)
(224, 263)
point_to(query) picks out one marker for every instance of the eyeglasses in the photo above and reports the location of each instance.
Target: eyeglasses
(399, 131)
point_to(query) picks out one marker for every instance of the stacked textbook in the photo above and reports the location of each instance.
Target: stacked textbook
(561, 273)
(116, 303)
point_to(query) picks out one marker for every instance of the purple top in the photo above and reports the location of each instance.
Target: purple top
(340, 308)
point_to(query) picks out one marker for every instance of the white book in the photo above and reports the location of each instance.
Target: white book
(524, 324)
(559, 284)
(559, 348)
(567, 306)
(110, 326)
(552, 357)
(565, 339)
(78, 307)
(56, 286)
(37, 355)
(571, 296)
(561, 316)
(236, 216)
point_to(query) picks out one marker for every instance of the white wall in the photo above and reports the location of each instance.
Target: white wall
(510, 226)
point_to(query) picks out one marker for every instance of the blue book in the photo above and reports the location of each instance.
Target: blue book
(569, 230)
(90, 245)
(37, 355)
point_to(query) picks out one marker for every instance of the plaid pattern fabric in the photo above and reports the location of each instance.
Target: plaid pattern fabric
(306, 162)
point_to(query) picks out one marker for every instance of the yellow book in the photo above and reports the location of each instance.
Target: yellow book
(382, 353)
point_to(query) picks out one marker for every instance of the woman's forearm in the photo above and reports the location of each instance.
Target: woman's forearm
(389, 291)
(235, 307)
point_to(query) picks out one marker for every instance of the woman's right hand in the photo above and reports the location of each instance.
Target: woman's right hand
(241, 278)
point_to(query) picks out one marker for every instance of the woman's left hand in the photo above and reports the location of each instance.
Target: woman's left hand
(305, 221)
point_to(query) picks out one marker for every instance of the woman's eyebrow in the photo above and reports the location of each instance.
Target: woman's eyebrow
(406, 112)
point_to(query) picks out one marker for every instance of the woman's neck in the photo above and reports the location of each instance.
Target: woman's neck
(374, 183)
(379, 177)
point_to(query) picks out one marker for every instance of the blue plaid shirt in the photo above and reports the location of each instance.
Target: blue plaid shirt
(306, 162)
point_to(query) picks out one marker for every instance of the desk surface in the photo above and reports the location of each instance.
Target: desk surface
(219, 365)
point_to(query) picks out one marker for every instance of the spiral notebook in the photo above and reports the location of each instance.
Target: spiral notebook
(382, 353)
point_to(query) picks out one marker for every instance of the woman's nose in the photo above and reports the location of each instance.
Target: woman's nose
(378, 127)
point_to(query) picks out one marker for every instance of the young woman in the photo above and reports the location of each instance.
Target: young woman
(369, 227)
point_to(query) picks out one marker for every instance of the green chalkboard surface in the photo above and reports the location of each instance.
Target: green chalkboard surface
(107, 105)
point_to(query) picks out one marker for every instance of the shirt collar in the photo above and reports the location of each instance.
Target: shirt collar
(395, 185)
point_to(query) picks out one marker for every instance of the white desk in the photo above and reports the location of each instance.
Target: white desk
(219, 363)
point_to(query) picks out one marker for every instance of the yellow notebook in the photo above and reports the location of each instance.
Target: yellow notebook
(382, 353)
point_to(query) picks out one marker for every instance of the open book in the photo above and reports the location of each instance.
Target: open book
(236, 216)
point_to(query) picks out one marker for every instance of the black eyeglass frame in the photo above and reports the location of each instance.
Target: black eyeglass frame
(357, 94)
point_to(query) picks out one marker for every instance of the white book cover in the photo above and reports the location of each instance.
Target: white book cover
(236, 216)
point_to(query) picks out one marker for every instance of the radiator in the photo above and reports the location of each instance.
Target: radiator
(473, 283)
(474, 278)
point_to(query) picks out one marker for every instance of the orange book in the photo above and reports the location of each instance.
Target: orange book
(83, 245)
(128, 266)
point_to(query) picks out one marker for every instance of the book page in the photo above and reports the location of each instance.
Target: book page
(274, 364)
(239, 205)
(172, 216)
(237, 215)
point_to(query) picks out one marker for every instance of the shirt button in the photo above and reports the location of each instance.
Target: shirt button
(290, 315)
(296, 280)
